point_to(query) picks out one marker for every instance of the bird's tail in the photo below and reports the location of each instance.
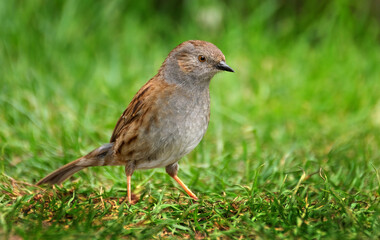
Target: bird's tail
(101, 156)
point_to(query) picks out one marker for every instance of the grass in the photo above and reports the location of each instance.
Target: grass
(292, 149)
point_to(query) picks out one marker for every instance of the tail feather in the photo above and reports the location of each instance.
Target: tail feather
(99, 157)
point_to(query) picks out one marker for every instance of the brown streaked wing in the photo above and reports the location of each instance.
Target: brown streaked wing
(134, 111)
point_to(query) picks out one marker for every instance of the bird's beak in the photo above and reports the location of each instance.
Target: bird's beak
(224, 67)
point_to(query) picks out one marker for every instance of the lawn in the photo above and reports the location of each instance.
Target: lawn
(293, 145)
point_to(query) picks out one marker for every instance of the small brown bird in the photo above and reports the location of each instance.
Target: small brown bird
(165, 120)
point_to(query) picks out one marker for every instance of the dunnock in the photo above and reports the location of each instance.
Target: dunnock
(165, 120)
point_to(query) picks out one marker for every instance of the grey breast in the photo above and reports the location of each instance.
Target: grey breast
(182, 125)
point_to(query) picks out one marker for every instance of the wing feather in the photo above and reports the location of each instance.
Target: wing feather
(134, 110)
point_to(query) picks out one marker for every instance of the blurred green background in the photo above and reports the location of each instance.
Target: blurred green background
(305, 94)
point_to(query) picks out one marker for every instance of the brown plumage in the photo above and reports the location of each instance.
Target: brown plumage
(165, 120)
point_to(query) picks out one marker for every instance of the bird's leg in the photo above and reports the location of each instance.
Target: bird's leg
(172, 171)
(129, 168)
(129, 188)
(187, 190)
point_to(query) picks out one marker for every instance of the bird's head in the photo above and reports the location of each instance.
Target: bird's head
(194, 61)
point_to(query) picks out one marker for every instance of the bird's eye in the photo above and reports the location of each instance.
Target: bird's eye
(201, 58)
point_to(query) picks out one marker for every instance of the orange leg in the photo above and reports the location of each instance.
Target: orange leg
(187, 190)
(129, 189)
(129, 168)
